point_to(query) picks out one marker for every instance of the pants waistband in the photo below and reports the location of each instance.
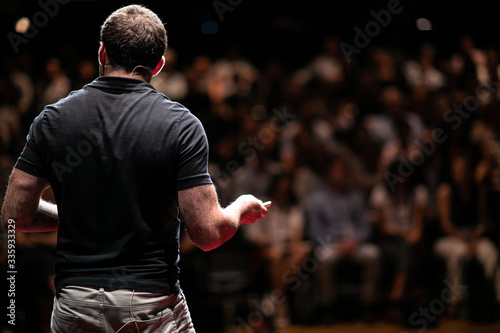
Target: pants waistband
(120, 297)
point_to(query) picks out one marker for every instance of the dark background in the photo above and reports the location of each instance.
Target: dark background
(290, 31)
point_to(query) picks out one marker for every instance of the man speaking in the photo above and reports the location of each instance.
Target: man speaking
(124, 163)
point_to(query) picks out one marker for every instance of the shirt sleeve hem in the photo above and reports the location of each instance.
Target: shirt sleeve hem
(28, 168)
(185, 183)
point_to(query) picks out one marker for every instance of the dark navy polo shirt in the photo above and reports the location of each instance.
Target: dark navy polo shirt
(115, 154)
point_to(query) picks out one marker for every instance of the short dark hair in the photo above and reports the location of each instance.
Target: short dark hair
(133, 36)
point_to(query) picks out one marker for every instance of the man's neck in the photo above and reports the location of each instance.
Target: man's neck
(121, 73)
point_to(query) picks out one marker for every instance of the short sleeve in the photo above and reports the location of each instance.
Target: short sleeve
(30, 160)
(193, 153)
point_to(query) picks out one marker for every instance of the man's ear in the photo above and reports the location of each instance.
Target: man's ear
(159, 67)
(102, 55)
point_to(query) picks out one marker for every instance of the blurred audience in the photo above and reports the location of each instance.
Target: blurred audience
(338, 223)
(422, 73)
(87, 72)
(280, 241)
(56, 84)
(462, 214)
(277, 127)
(170, 81)
(399, 212)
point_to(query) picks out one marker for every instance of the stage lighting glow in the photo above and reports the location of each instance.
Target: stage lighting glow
(22, 25)
(423, 24)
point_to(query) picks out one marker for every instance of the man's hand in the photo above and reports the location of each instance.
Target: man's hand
(208, 224)
(252, 208)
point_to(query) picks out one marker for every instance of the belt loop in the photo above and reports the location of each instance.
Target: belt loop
(100, 296)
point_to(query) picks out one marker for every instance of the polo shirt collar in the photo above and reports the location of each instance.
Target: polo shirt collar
(115, 83)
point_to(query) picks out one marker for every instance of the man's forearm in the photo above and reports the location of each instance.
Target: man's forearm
(46, 217)
(24, 207)
(246, 209)
(208, 224)
(226, 226)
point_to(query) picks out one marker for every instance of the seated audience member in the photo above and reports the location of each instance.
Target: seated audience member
(399, 210)
(171, 82)
(461, 210)
(422, 73)
(337, 222)
(280, 241)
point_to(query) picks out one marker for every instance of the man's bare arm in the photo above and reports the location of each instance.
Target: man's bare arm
(24, 206)
(208, 224)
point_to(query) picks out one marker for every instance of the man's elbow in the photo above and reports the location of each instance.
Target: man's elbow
(18, 224)
(212, 238)
(207, 248)
(14, 220)
(206, 240)
(5, 223)
(4, 217)
(10, 223)
(205, 245)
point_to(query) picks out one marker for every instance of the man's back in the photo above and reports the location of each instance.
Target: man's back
(123, 162)
(113, 154)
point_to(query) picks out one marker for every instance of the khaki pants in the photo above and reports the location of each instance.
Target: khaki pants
(455, 253)
(81, 310)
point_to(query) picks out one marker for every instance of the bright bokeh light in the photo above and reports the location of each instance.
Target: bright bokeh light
(22, 25)
(423, 24)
